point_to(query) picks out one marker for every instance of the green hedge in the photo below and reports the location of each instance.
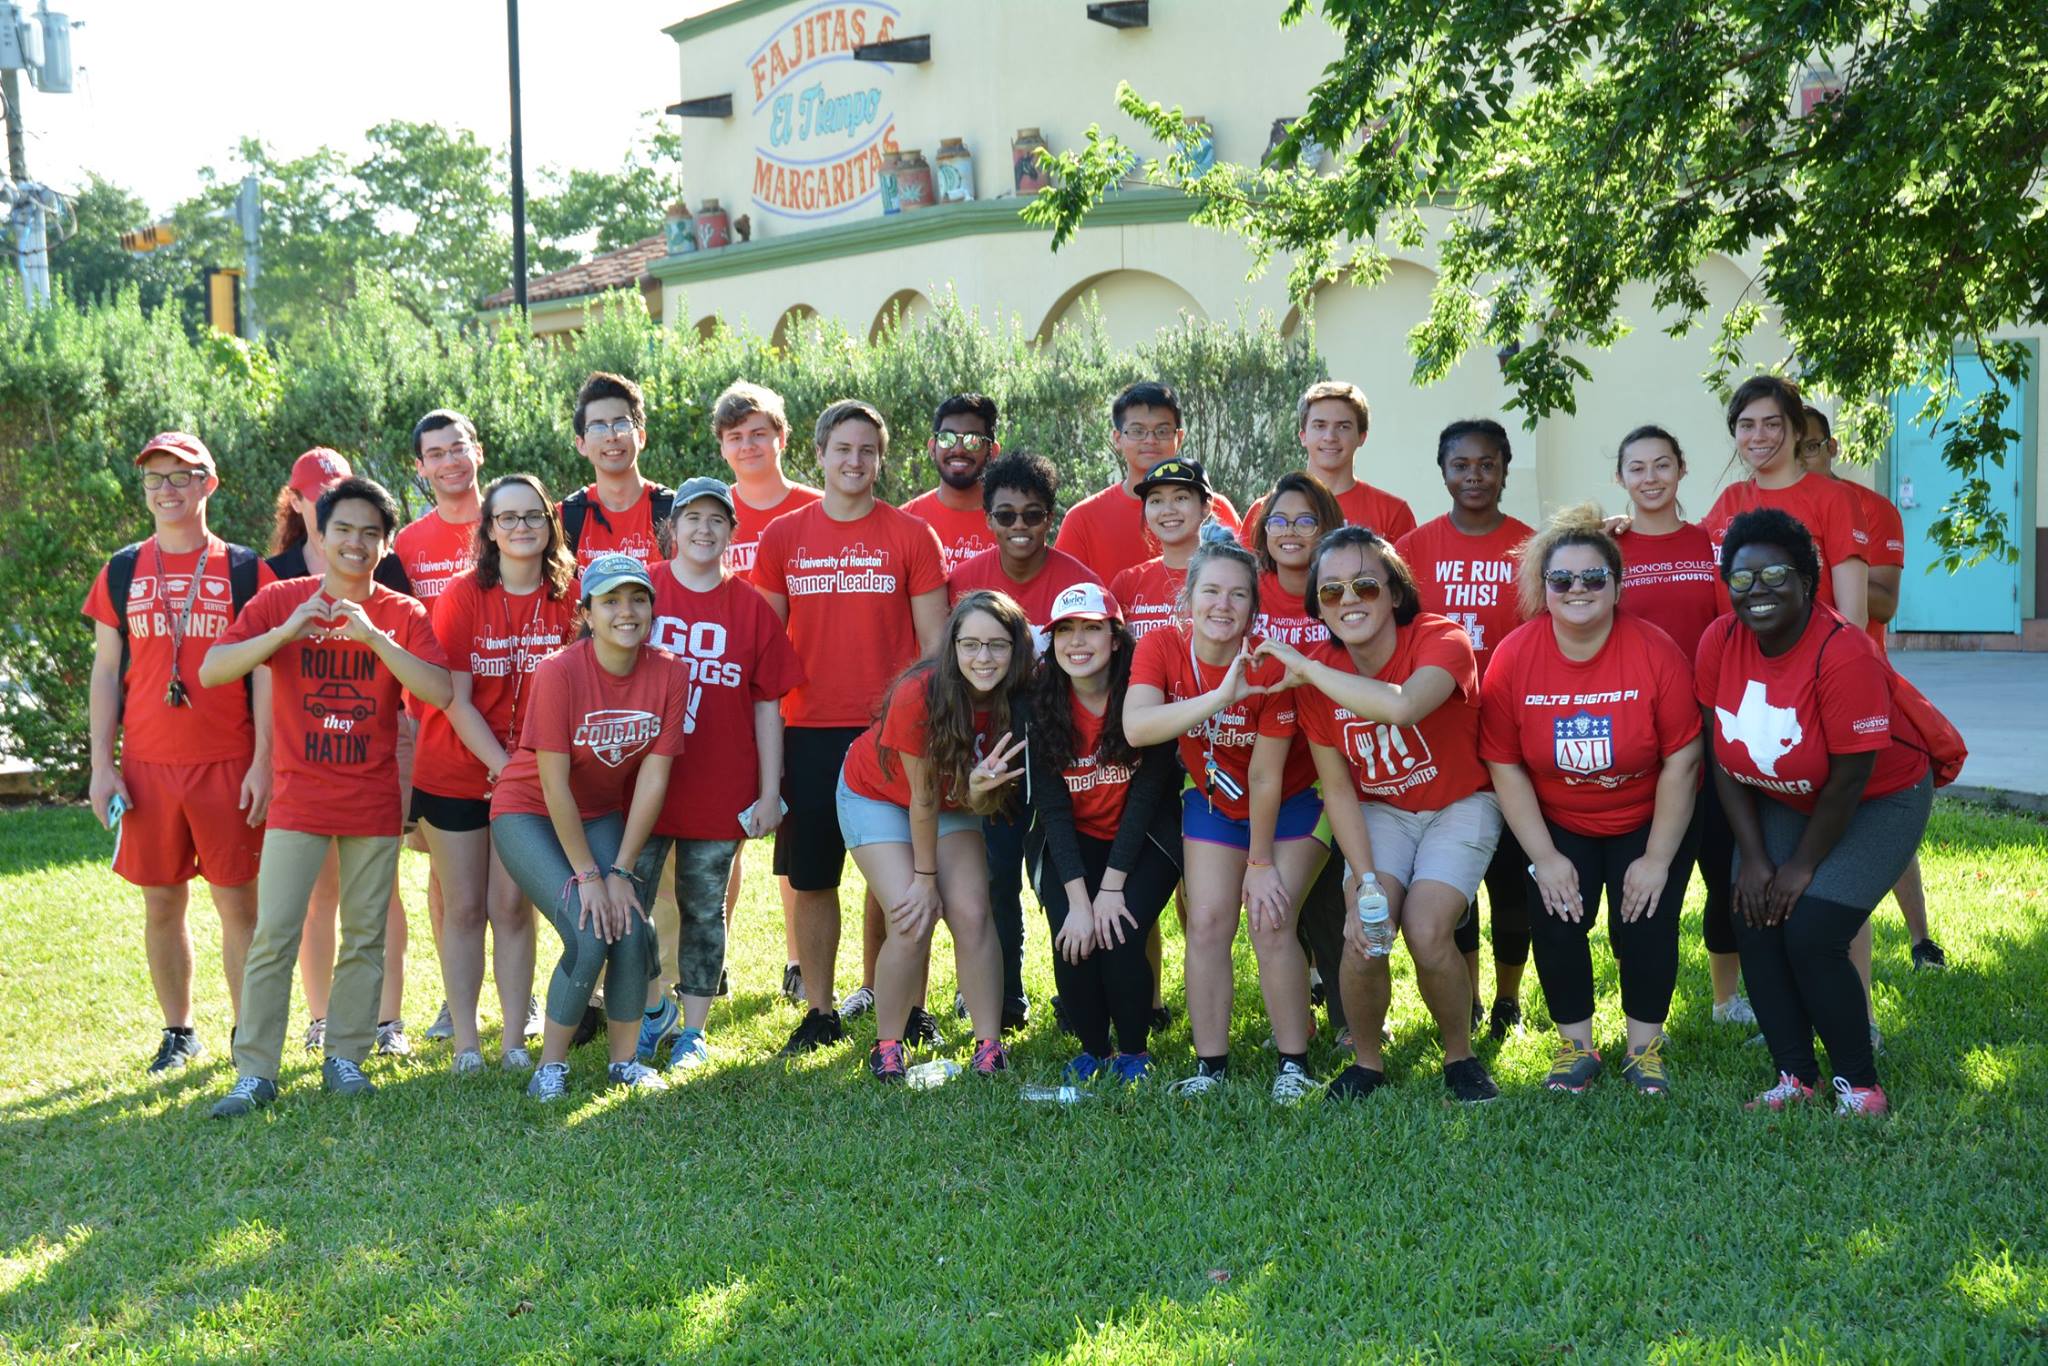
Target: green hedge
(82, 388)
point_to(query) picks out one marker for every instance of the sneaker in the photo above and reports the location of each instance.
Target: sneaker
(1507, 1018)
(1574, 1068)
(391, 1040)
(1131, 1067)
(247, 1095)
(316, 1034)
(550, 1082)
(1478, 1019)
(590, 1026)
(443, 1026)
(690, 1051)
(515, 1059)
(921, 1030)
(1162, 1019)
(1468, 1082)
(1317, 992)
(1060, 1020)
(1859, 1100)
(1734, 1011)
(657, 1029)
(990, 1057)
(885, 1060)
(468, 1063)
(1083, 1067)
(1200, 1084)
(1876, 1039)
(636, 1075)
(1645, 1067)
(816, 1030)
(1355, 1082)
(856, 1003)
(177, 1048)
(1788, 1090)
(536, 1022)
(1293, 1083)
(724, 985)
(1016, 1016)
(959, 1006)
(1927, 954)
(344, 1077)
(792, 983)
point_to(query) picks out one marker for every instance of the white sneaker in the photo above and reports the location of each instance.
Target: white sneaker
(1735, 1010)
(443, 1026)
(515, 1060)
(316, 1034)
(638, 1076)
(391, 1040)
(534, 1020)
(856, 1003)
(1293, 1083)
(1200, 1084)
(468, 1063)
(550, 1082)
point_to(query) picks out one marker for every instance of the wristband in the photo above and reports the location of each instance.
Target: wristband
(916, 871)
(626, 873)
(590, 875)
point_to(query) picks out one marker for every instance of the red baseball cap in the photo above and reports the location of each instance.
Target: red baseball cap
(183, 445)
(317, 471)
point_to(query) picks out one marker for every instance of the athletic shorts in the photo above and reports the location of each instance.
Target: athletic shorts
(863, 820)
(185, 822)
(1452, 845)
(808, 847)
(1300, 818)
(451, 815)
(408, 735)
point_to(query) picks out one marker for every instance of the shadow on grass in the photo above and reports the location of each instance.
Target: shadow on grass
(39, 838)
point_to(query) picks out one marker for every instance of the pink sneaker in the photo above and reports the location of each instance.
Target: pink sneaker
(1788, 1090)
(1860, 1100)
(990, 1057)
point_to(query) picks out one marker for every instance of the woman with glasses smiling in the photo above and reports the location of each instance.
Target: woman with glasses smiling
(1588, 724)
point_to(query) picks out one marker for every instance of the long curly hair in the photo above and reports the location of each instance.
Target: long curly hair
(1052, 714)
(950, 700)
(287, 527)
(557, 564)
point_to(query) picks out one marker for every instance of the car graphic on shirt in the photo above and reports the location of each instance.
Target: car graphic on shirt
(339, 699)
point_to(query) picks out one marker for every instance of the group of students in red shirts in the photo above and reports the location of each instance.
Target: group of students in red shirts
(959, 704)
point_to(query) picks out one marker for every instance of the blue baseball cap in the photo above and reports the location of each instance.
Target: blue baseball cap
(610, 570)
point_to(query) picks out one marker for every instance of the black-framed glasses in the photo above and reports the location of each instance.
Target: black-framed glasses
(1771, 575)
(1163, 432)
(1009, 517)
(177, 479)
(512, 521)
(1308, 521)
(1560, 580)
(624, 426)
(964, 441)
(1365, 588)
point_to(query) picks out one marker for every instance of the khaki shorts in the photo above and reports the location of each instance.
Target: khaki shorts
(1451, 845)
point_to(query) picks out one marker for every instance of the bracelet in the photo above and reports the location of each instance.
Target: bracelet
(916, 871)
(616, 871)
(590, 876)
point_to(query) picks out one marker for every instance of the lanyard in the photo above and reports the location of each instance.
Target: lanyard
(175, 694)
(519, 657)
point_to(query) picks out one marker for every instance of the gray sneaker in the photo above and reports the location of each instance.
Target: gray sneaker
(515, 1059)
(344, 1078)
(534, 1027)
(391, 1040)
(550, 1082)
(248, 1095)
(637, 1076)
(316, 1034)
(1293, 1083)
(1573, 1069)
(468, 1062)
(1735, 1010)
(443, 1026)
(856, 1003)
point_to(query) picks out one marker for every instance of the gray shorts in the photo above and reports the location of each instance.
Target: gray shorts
(863, 820)
(1451, 845)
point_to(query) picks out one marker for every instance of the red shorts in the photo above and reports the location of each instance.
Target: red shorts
(185, 822)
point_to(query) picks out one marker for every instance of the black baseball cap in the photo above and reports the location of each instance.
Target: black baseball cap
(1187, 473)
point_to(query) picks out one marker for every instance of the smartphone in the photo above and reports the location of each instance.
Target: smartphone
(117, 806)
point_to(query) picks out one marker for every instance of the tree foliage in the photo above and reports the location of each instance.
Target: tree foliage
(1558, 150)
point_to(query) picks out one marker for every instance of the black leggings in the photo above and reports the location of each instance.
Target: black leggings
(1646, 949)
(1113, 985)
(1717, 868)
(1507, 892)
(1320, 928)
(1801, 980)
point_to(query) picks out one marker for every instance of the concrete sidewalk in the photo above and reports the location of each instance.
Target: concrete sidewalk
(1999, 701)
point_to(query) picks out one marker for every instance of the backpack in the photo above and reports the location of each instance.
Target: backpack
(1939, 739)
(579, 505)
(244, 565)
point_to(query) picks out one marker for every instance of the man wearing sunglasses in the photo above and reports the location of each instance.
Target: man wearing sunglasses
(962, 442)
(193, 776)
(619, 511)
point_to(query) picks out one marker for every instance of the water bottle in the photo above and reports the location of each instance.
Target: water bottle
(927, 1076)
(1056, 1095)
(1373, 918)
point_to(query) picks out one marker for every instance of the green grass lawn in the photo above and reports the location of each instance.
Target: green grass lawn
(793, 1212)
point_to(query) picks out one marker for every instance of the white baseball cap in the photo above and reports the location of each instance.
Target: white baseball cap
(1084, 602)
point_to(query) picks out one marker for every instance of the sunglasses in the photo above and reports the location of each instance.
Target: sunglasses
(1364, 588)
(1560, 580)
(1773, 576)
(970, 441)
(1009, 517)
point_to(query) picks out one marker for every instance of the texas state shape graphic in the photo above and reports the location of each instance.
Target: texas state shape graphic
(1767, 732)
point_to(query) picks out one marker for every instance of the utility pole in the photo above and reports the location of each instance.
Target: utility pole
(17, 154)
(518, 163)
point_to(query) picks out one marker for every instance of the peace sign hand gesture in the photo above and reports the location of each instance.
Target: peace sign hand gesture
(994, 773)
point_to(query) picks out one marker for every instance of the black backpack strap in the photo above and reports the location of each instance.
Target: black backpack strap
(574, 509)
(244, 568)
(663, 502)
(120, 577)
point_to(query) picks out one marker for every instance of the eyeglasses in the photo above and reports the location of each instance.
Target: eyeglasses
(512, 521)
(994, 649)
(1772, 575)
(1163, 432)
(458, 448)
(1308, 521)
(1365, 588)
(966, 441)
(1008, 517)
(177, 479)
(1560, 580)
(625, 426)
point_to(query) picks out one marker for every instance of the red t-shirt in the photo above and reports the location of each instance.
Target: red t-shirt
(1671, 581)
(735, 653)
(1591, 735)
(1149, 594)
(1470, 579)
(1887, 532)
(217, 725)
(902, 731)
(963, 532)
(1423, 767)
(1281, 618)
(1826, 507)
(1777, 721)
(1362, 505)
(1060, 572)
(498, 639)
(849, 586)
(607, 725)
(334, 713)
(626, 533)
(1164, 660)
(433, 552)
(1106, 531)
(752, 521)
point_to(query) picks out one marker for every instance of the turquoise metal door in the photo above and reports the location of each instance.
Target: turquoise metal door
(1986, 596)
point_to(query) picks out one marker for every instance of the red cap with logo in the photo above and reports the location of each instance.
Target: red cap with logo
(182, 445)
(317, 471)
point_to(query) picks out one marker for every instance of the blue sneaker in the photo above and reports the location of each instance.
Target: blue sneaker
(1131, 1067)
(1084, 1068)
(690, 1050)
(657, 1029)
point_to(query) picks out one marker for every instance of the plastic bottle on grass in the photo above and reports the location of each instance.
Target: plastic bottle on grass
(929, 1075)
(1373, 917)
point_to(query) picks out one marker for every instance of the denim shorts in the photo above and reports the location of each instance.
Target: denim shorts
(863, 820)
(1300, 818)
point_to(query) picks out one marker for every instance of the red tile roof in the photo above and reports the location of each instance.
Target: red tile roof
(619, 269)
